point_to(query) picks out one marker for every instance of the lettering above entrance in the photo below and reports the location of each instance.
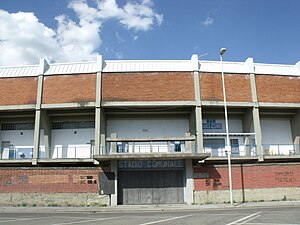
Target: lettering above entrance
(151, 164)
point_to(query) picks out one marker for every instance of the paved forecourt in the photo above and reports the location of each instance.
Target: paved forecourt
(283, 215)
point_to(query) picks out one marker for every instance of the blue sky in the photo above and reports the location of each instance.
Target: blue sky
(79, 30)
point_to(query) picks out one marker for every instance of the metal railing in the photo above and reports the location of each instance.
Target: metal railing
(236, 150)
(16, 153)
(150, 146)
(72, 152)
(281, 149)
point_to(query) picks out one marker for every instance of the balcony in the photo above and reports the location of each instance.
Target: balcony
(236, 150)
(281, 149)
(70, 152)
(19, 153)
(151, 148)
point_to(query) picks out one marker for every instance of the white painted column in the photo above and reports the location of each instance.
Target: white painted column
(114, 197)
(189, 189)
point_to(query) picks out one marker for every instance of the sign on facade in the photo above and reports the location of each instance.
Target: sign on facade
(151, 164)
(211, 124)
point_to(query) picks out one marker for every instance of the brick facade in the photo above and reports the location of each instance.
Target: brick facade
(49, 180)
(285, 89)
(248, 176)
(18, 91)
(162, 86)
(238, 87)
(78, 88)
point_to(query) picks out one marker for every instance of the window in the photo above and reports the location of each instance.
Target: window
(73, 125)
(17, 126)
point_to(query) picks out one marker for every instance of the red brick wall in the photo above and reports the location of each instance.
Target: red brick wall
(249, 177)
(56, 180)
(69, 88)
(283, 89)
(162, 86)
(238, 87)
(18, 91)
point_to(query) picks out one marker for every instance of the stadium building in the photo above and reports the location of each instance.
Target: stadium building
(114, 132)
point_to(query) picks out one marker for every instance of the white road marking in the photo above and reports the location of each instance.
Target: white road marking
(87, 221)
(246, 221)
(242, 219)
(160, 221)
(24, 219)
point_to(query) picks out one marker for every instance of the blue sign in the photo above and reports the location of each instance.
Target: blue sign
(211, 124)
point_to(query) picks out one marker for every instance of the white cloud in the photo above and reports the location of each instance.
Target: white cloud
(208, 21)
(24, 39)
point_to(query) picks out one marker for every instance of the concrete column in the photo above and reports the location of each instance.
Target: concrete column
(114, 197)
(46, 124)
(189, 189)
(198, 111)
(43, 67)
(113, 145)
(98, 110)
(36, 141)
(295, 125)
(247, 121)
(199, 131)
(255, 111)
(257, 130)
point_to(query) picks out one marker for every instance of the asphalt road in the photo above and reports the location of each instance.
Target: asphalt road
(287, 215)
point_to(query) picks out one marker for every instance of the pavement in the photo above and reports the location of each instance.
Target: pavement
(140, 208)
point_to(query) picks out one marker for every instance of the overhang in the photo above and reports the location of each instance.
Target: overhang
(152, 156)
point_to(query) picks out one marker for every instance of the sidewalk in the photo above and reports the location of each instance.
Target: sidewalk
(134, 208)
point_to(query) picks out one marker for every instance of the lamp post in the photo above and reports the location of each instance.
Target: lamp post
(228, 147)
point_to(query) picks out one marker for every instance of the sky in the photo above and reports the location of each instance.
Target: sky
(80, 30)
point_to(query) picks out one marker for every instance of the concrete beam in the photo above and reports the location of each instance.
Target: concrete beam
(230, 104)
(69, 105)
(17, 107)
(279, 105)
(147, 103)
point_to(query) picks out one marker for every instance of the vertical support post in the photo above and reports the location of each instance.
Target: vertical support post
(114, 197)
(198, 110)
(295, 126)
(255, 110)
(98, 110)
(43, 67)
(189, 182)
(257, 130)
(47, 132)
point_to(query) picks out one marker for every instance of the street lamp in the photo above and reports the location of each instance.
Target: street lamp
(228, 147)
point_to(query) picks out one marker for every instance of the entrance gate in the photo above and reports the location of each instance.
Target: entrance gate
(151, 186)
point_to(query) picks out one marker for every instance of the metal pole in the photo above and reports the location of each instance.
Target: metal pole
(228, 147)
